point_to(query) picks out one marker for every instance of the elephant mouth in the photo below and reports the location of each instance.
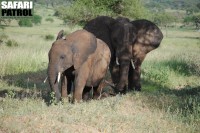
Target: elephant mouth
(132, 62)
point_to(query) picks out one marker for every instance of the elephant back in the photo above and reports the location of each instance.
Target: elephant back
(82, 44)
(100, 27)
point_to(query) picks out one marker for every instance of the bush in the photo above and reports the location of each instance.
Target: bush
(36, 19)
(28, 22)
(25, 22)
(50, 20)
(49, 37)
(85, 10)
(11, 43)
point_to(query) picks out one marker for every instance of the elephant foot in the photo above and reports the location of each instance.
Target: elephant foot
(121, 91)
(86, 96)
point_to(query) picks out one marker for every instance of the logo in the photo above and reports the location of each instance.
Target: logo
(16, 8)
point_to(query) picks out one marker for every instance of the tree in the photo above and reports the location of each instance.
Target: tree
(83, 10)
(193, 19)
(163, 19)
(134, 9)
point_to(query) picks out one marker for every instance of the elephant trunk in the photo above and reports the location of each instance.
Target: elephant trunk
(54, 77)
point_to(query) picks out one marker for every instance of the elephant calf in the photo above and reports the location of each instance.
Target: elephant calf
(80, 58)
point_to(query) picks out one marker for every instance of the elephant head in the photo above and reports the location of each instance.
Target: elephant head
(149, 37)
(66, 53)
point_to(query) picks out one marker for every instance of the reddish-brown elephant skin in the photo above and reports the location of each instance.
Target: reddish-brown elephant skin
(81, 59)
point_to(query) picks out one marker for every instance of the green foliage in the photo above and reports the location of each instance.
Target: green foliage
(11, 43)
(192, 19)
(81, 11)
(25, 22)
(163, 19)
(49, 37)
(53, 98)
(188, 19)
(84, 10)
(28, 22)
(190, 5)
(36, 19)
(10, 94)
(50, 20)
(134, 9)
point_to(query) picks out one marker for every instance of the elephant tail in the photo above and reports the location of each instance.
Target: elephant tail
(60, 34)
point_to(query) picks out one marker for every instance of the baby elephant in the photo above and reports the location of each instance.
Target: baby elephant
(80, 58)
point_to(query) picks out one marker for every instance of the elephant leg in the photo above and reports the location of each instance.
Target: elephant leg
(114, 71)
(134, 74)
(98, 91)
(123, 82)
(80, 81)
(86, 93)
(69, 85)
(134, 78)
(64, 86)
(137, 78)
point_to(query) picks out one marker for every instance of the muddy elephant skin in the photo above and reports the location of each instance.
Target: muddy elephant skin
(80, 58)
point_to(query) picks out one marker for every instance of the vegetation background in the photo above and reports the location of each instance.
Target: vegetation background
(170, 97)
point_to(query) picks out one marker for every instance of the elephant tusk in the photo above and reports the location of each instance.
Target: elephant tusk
(45, 79)
(58, 79)
(132, 64)
(117, 61)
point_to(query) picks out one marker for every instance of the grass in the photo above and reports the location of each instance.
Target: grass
(169, 101)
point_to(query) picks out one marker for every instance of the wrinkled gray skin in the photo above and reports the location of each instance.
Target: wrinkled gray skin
(80, 58)
(127, 41)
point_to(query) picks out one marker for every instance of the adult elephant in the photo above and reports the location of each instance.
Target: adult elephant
(80, 57)
(129, 43)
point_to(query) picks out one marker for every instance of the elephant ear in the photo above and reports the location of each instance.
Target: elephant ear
(82, 48)
(60, 34)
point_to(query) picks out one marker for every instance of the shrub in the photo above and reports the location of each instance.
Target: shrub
(28, 22)
(36, 19)
(85, 10)
(11, 43)
(49, 37)
(50, 20)
(25, 22)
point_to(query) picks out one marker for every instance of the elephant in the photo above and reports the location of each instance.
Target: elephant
(80, 58)
(129, 42)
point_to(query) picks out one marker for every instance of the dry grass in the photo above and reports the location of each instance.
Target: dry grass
(169, 101)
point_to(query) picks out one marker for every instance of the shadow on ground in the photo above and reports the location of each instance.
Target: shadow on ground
(185, 100)
(28, 85)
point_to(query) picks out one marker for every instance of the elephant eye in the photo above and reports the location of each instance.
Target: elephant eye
(62, 56)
